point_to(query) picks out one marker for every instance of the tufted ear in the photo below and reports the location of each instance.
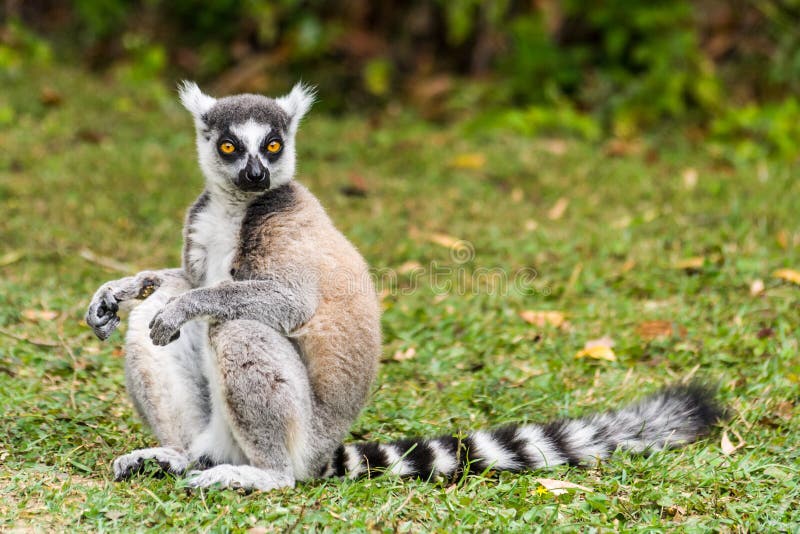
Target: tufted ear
(297, 103)
(193, 99)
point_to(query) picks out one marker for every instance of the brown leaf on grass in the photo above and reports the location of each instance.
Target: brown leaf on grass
(39, 315)
(472, 160)
(757, 287)
(409, 266)
(559, 487)
(650, 330)
(765, 333)
(690, 264)
(790, 275)
(558, 209)
(543, 318)
(785, 410)
(623, 147)
(597, 352)
(517, 195)
(11, 257)
(403, 355)
(50, 97)
(782, 238)
(727, 446)
(356, 188)
(444, 240)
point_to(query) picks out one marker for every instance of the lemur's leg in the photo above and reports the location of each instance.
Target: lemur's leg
(167, 384)
(266, 399)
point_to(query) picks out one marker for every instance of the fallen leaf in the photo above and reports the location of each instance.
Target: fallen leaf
(558, 209)
(765, 332)
(689, 178)
(356, 188)
(757, 287)
(729, 448)
(40, 315)
(113, 515)
(50, 97)
(409, 266)
(257, 530)
(11, 257)
(790, 275)
(517, 195)
(403, 355)
(690, 264)
(598, 352)
(785, 410)
(542, 318)
(650, 330)
(782, 237)
(623, 147)
(559, 487)
(472, 160)
(531, 225)
(444, 240)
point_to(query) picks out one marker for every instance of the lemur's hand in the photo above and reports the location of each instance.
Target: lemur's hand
(166, 324)
(102, 313)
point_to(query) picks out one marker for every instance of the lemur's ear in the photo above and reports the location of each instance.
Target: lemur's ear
(297, 103)
(193, 99)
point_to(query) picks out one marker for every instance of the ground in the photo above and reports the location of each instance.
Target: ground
(658, 243)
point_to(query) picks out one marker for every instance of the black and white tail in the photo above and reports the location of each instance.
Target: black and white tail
(670, 418)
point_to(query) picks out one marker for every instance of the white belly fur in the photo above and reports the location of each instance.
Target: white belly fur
(215, 239)
(215, 235)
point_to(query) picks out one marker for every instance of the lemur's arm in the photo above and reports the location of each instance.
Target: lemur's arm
(111, 296)
(276, 303)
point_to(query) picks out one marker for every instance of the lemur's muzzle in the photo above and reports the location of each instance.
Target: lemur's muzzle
(254, 176)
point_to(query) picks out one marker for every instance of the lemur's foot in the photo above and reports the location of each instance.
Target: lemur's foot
(240, 477)
(168, 459)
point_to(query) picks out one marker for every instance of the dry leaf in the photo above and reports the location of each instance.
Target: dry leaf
(468, 161)
(559, 487)
(782, 237)
(689, 178)
(784, 410)
(650, 330)
(356, 188)
(409, 266)
(598, 352)
(542, 318)
(558, 209)
(11, 257)
(517, 195)
(531, 225)
(790, 275)
(50, 97)
(729, 448)
(690, 263)
(757, 287)
(444, 240)
(403, 355)
(40, 315)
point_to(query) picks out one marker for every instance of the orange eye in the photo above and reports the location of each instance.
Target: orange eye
(227, 148)
(273, 146)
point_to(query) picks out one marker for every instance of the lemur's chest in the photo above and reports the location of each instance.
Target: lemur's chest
(213, 240)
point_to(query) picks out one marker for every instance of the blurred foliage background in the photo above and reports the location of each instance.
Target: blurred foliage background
(726, 72)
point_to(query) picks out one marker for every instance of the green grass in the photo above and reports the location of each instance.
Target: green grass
(111, 170)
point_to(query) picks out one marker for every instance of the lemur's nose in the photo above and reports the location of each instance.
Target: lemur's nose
(255, 172)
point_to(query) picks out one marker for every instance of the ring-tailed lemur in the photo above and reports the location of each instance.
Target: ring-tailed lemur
(251, 361)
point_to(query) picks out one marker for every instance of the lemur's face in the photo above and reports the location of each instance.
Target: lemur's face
(246, 142)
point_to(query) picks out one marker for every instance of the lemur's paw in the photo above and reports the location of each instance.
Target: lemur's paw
(102, 314)
(168, 459)
(165, 327)
(244, 477)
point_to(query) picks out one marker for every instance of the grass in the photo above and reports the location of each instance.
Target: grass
(110, 170)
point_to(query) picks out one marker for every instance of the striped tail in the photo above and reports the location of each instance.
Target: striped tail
(674, 416)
